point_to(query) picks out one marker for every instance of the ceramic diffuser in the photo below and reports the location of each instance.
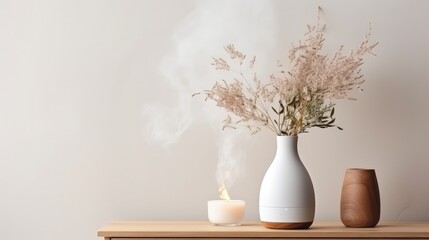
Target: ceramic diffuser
(286, 199)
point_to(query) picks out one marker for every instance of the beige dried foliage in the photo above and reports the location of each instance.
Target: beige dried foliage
(294, 99)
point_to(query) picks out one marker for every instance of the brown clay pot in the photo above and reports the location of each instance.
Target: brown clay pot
(360, 198)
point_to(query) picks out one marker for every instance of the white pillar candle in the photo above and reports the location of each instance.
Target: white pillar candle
(226, 212)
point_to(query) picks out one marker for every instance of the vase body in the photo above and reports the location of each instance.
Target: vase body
(286, 199)
(360, 198)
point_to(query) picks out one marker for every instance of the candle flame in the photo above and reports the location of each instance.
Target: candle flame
(223, 193)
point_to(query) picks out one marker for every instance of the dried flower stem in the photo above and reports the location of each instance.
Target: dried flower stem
(301, 91)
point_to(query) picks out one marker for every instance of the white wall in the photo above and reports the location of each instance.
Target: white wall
(76, 76)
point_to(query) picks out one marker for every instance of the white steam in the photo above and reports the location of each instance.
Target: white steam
(229, 159)
(252, 27)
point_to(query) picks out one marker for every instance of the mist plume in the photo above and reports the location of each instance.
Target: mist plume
(252, 27)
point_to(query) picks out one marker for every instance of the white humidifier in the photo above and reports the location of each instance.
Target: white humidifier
(286, 199)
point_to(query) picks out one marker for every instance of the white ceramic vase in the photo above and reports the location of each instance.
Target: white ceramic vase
(286, 199)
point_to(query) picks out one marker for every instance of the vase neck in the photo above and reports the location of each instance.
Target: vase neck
(287, 145)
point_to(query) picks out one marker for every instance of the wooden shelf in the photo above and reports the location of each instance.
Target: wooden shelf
(201, 229)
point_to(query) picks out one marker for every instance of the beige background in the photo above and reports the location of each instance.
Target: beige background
(97, 123)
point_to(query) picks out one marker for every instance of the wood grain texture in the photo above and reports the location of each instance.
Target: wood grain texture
(256, 230)
(360, 198)
(277, 225)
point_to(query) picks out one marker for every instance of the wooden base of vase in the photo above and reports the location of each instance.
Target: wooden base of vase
(284, 225)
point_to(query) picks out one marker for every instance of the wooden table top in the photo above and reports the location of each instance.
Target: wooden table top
(203, 229)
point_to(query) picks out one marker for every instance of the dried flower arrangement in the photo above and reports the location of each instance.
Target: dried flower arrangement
(293, 100)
